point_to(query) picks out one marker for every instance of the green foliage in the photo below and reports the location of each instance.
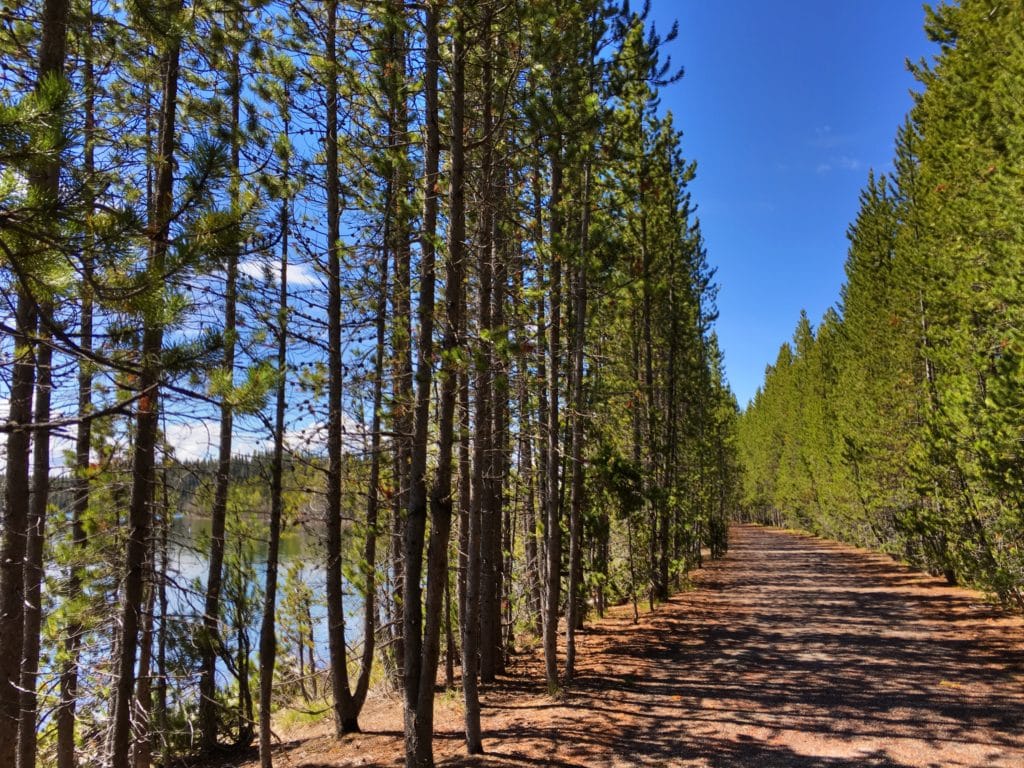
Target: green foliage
(572, 87)
(906, 413)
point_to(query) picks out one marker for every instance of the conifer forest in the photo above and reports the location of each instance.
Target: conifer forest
(898, 422)
(369, 345)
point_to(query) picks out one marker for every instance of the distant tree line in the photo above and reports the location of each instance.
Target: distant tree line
(899, 422)
(428, 281)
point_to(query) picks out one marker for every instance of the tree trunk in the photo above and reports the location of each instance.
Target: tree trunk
(160, 705)
(401, 323)
(373, 497)
(65, 715)
(44, 179)
(143, 703)
(345, 716)
(243, 663)
(573, 612)
(449, 635)
(441, 490)
(484, 502)
(554, 496)
(465, 500)
(33, 570)
(218, 515)
(499, 464)
(542, 415)
(268, 630)
(419, 718)
(33, 564)
(146, 419)
(465, 503)
(15, 529)
(475, 578)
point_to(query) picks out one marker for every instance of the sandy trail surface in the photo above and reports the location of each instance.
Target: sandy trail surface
(791, 651)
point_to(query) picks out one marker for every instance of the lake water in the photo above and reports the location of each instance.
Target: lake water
(189, 537)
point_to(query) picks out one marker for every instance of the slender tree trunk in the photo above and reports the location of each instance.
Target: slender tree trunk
(471, 620)
(33, 570)
(345, 716)
(15, 529)
(573, 611)
(402, 372)
(632, 568)
(373, 497)
(499, 464)
(543, 463)
(637, 425)
(65, 715)
(449, 635)
(45, 181)
(160, 705)
(441, 490)
(554, 496)
(146, 419)
(465, 504)
(544, 427)
(143, 703)
(484, 501)
(672, 407)
(218, 515)
(475, 580)
(528, 473)
(659, 587)
(268, 630)
(419, 703)
(243, 663)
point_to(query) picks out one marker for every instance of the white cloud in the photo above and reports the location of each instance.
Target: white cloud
(61, 442)
(312, 437)
(194, 440)
(826, 138)
(843, 163)
(307, 438)
(199, 439)
(299, 275)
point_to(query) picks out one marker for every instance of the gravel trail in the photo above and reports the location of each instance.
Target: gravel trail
(791, 652)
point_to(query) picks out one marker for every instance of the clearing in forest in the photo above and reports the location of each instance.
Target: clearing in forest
(791, 651)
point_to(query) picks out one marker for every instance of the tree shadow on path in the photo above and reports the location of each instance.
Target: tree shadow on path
(792, 651)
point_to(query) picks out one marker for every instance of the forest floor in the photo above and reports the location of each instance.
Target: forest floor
(791, 652)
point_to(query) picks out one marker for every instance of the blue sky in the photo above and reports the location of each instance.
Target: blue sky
(785, 106)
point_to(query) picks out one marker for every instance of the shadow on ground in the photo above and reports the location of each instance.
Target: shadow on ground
(792, 652)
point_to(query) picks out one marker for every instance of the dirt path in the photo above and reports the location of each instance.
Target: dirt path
(791, 651)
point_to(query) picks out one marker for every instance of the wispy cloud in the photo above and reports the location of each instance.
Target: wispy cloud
(313, 436)
(827, 138)
(61, 443)
(193, 440)
(827, 144)
(842, 163)
(199, 439)
(299, 275)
